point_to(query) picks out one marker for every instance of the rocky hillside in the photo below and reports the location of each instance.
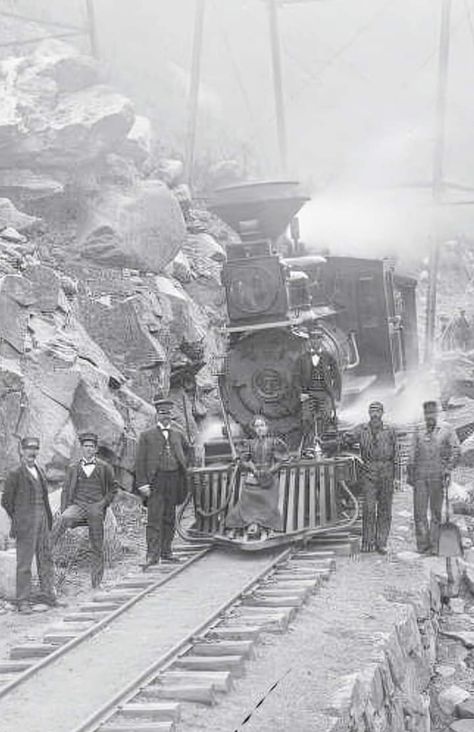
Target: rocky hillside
(109, 279)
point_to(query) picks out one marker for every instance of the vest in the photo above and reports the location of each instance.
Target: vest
(88, 490)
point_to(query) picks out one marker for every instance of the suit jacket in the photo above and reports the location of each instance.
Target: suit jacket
(150, 449)
(18, 499)
(106, 478)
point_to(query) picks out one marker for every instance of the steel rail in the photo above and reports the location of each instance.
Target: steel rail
(110, 708)
(97, 627)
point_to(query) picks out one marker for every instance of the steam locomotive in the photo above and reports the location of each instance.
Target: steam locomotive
(304, 332)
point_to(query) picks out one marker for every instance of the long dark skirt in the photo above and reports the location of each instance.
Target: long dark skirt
(256, 505)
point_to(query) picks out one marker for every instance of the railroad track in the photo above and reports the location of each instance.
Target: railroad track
(178, 641)
(89, 618)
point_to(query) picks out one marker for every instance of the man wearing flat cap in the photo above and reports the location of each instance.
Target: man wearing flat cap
(434, 453)
(379, 449)
(89, 489)
(25, 499)
(160, 478)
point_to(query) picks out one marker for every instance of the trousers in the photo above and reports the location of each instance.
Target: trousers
(427, 492)
(35, 544)
(377, 509)
(93, 514)
(161, 520)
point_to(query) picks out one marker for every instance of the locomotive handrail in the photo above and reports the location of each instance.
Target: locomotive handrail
(353, 341)
(304, 462)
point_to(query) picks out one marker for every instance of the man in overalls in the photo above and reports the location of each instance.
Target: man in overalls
(379, 450)
(434, 453)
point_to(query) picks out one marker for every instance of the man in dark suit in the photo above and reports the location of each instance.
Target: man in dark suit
(89, 489)
(25, 499)
(160, 478)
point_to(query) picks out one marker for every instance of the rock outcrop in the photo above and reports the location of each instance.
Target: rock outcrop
(109, 283)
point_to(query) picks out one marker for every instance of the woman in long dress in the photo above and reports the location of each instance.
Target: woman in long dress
(256, 513)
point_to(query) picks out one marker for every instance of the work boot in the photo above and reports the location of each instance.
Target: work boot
(169, 557)
(53, 602)
(24, 608)
(149, 563)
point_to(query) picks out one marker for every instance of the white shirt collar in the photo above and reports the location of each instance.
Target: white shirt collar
(88, 462)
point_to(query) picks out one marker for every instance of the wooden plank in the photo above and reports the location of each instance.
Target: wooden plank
(223, 648)
(224, 487)
(99, 607)
(280, 601)
(197, 693)
(168, 726)
(154, 711)
(270, 622)
(313, 492)
(31, 650)
(290, 511)
(220, 680)
(333, 490)
(216, 499)
(302, 493)
(234, 664)
(282, 475)
(223, 632)
(8, 667)
(322, 496)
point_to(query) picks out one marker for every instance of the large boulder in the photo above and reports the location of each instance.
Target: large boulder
(70, 70)
(11, 216)
(53, 113)
(124, 331)
(141, 227)
(455, 373)
(16, 296)
(12, 405)
(139, 142)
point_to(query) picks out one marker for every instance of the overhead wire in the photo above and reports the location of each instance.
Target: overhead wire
(240, 83)
(40, 21)
(409, 81)
(338, 53)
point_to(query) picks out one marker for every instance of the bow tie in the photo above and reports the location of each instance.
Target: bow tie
(92, 462)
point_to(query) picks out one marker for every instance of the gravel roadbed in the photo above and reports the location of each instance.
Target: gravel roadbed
(337, 633)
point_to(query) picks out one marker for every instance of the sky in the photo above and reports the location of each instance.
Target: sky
(359, 80)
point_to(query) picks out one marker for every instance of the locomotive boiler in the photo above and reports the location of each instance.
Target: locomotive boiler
(304, 331)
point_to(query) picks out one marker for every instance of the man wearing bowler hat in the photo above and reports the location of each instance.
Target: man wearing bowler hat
(160, 478)
(435, 451)
(25, 499)
(89, 489)
(379, 450)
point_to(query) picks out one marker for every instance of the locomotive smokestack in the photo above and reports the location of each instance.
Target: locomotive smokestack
(260, 210)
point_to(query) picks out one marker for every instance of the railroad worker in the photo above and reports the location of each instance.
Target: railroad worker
(163, 454)
(379, 449)
(256, 514)
(89, 489)
(25, 499)
(462, 331)
(434, 453)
